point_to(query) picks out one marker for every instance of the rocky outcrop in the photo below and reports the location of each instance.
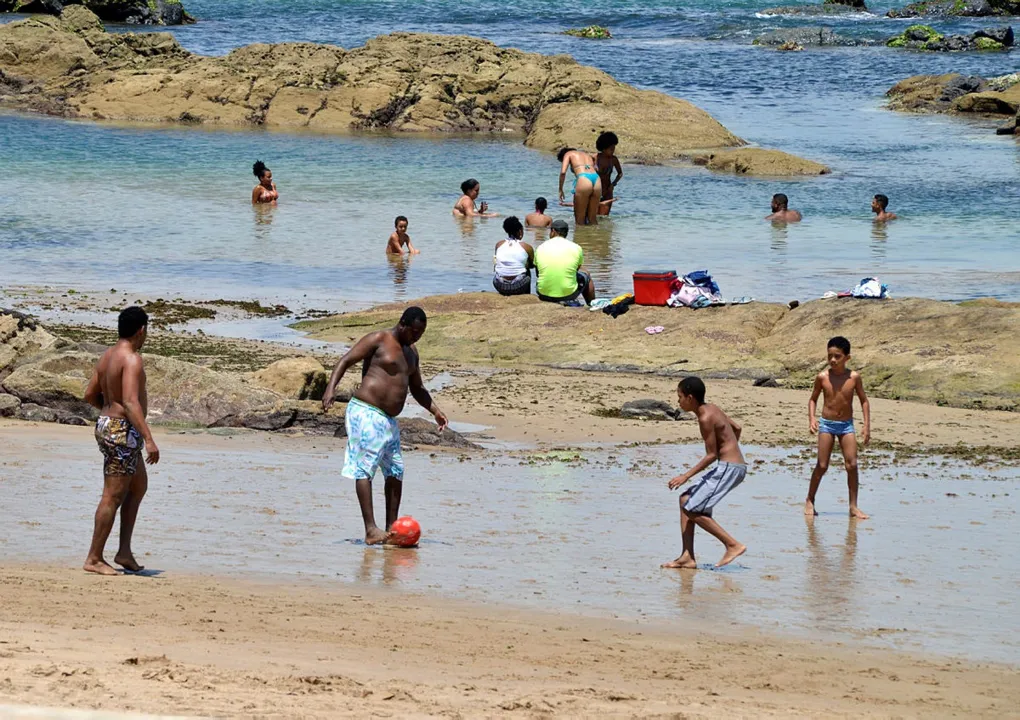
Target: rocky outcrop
(408, 83)
(924, 37)
(955, 93)
(133, 12)
(957, 8)
(651, 410)
(297, 378)
(808, 37)
(758, 162)
(20, 337)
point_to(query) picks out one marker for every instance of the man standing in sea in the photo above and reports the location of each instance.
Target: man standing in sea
(390, 369)
(117, 390)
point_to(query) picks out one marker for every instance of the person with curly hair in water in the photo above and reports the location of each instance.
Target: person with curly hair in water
(587, 184)
(265, 193)
(605, 162)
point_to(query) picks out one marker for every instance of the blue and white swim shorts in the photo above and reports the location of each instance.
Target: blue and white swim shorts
(836, 428)
(373, 442)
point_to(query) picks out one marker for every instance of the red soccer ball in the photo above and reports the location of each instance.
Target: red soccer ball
(406, 532)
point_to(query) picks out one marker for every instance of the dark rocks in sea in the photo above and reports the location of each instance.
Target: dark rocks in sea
(808, 37)
(957, 8)
(924, 37)
(133, 12)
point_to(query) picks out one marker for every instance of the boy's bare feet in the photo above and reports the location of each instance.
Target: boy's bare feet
(375, 536)
(99, 567)
(731, 554)
(684, 562)
(856, 512)
(128, 562)
(809, 508)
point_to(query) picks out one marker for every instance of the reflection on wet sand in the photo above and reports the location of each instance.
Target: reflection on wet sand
(831, 579)
(400, 265)
(387, 565)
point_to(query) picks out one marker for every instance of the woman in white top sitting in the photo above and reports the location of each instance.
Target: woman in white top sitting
(513, 261)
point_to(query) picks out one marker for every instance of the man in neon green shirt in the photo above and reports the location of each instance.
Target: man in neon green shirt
(558, 263)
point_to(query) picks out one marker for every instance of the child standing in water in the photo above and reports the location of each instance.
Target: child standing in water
(722, 447)
(399, 239)
(838, 384)
(605, 162)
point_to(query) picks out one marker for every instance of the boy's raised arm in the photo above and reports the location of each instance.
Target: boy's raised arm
(812, 405)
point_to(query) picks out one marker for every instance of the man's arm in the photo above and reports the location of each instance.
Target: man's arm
(812, 405)
(94, 392)
(424, 398)
(361, 350)
(865, 409)
(131, 384)
(711, 455)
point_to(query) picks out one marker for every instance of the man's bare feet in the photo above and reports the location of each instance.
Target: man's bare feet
(809, 509)
(128, 562)
(856, 512)
(376, 536)
(684, 562)
(99, 567)
(731, 555)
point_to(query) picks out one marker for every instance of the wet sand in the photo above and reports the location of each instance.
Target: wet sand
(579, 531)
(201, 646)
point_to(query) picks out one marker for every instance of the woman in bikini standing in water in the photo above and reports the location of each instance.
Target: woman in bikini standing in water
(587, 184)
(265, 192)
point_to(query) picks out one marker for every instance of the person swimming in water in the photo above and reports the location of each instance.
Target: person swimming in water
(265, 193)
(465, 207)
(587, 184)
(539, 219)
(605, 162)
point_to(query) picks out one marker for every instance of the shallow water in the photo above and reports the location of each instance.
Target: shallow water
(170, 205)
(927, 573)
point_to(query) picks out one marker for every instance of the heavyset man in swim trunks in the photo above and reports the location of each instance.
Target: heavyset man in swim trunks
(389, 371)
(117, 389)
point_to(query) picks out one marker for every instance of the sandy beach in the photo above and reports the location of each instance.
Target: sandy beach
(215, 647)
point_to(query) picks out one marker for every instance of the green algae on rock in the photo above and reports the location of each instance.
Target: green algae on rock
(592, 32)
(402, 83)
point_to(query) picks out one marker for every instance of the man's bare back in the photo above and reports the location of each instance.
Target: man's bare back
(785, 216)
(713, 421)
(111, 370)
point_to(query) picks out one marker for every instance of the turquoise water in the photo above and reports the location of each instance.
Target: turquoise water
(165, 210)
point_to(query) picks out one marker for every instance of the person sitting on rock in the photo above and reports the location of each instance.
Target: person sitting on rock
(781, 212)
(538, 219)
(465, 207)
(605, 162)
(558, 264)
(265, 193)
(878, 206)
(513, 261)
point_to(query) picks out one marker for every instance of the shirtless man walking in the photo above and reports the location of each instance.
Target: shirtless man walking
(117, 389)
(389, 371)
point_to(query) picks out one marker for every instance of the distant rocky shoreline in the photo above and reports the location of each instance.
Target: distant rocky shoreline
(131, 12)
(399, 83)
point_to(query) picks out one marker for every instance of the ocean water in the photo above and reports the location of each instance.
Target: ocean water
(165, 210)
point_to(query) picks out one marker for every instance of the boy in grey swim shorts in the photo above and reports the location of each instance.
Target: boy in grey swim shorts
(722, 447)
